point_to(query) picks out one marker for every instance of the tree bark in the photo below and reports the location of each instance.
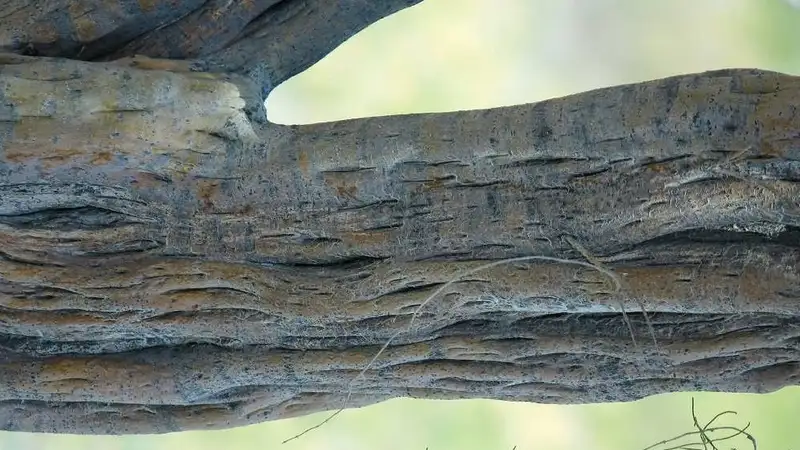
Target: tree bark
(170, 261)
(268, 40)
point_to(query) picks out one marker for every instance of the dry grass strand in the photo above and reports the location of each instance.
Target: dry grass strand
(590, 264)
(601, 267)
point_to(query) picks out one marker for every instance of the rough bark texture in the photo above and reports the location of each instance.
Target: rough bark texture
(269, 40)
(169, 262)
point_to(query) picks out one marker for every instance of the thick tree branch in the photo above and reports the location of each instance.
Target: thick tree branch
(268, 40)
(168, 263)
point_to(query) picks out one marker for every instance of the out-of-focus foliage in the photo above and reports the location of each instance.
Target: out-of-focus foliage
(463, 54)
(445, 55)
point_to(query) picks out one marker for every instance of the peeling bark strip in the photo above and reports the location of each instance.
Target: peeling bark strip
(168, 263)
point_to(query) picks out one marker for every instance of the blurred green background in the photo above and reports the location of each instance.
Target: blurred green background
(445, 55)
(448, 55)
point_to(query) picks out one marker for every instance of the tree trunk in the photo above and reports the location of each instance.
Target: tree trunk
(171, 261)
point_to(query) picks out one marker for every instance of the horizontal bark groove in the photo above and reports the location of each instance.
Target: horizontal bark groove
(168, 261)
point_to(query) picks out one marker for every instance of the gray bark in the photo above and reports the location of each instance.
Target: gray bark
(269, 40)
(169, 261)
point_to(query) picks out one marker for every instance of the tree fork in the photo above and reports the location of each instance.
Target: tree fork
(169, 260)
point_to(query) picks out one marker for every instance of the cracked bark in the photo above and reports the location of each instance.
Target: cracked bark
(169, 261)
